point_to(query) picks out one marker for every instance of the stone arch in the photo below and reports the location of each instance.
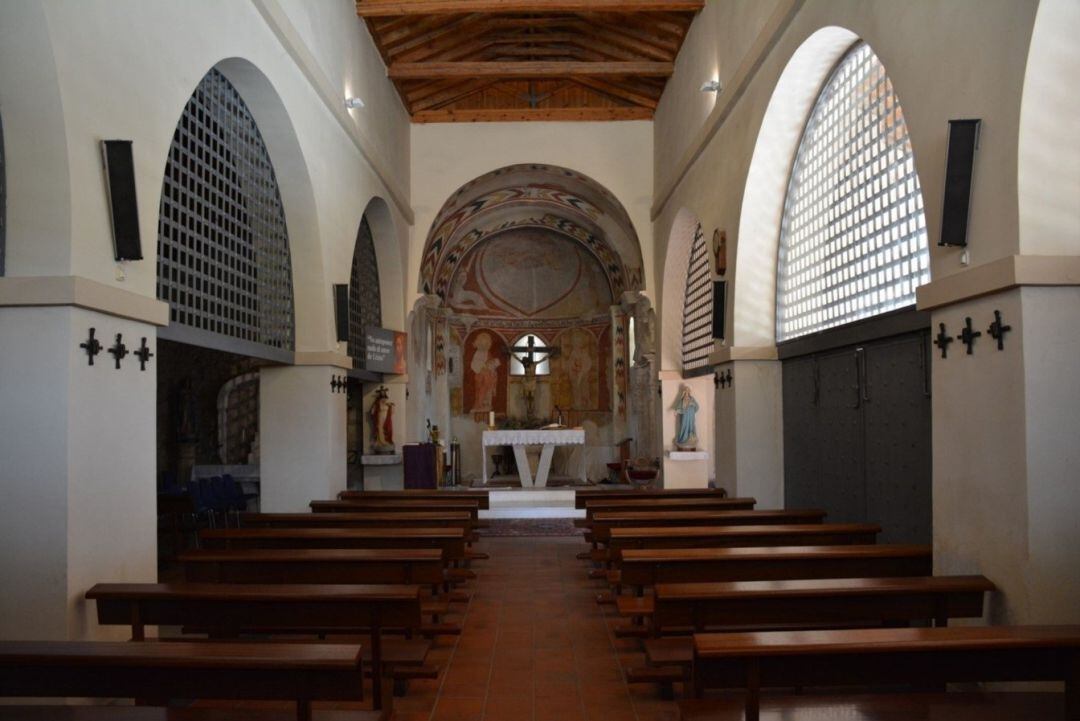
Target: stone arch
(754, 292)
(313, 321)
(539, 195)
(676, 263)
(388, 255)
(1049, 144)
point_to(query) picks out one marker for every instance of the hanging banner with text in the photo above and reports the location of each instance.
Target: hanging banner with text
(385, 350)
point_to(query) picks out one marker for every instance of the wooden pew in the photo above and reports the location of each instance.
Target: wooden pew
(304, 565)
(229, 610)
(920, 656)
(481, 496)
(684, 608)
(583, 495)
(472, 507)
(450, 540)
(655, 505)
(425, 519)
(650, 566)
(820, 534)
(603, 522)
(259, 671)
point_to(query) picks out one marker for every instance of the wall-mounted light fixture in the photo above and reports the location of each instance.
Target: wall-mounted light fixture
(354, 103)
(712, 86)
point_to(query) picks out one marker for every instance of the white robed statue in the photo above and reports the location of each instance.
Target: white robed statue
(685, 421)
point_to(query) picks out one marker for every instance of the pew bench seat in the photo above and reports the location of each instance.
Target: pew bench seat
(961, 706)
(158, 713)
(923, 657)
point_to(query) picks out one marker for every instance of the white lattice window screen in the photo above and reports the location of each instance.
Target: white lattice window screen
(853, 239)
(697, 340)
(223, 248)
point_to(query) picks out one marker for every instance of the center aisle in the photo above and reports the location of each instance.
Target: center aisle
(535, 645)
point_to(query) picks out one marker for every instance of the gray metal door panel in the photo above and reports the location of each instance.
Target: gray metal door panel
(843, 493)
(802, 487)
(898, 458)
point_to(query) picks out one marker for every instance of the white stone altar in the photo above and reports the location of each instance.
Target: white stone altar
(519, 439)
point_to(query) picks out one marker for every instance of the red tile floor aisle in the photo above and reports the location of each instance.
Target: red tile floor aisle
(535, 646)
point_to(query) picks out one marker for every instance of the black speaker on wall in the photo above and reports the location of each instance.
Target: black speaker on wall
(123, 207)
(963, 142)
(341, 311)
(719, 296)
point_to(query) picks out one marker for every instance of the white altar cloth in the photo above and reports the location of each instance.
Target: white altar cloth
(520, 438)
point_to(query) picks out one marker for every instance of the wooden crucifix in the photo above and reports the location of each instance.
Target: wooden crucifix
(526, 354)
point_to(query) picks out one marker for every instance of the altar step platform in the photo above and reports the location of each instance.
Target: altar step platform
(550, 502)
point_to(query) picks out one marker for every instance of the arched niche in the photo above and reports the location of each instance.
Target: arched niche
(388, 254)
(676, 262)
(313, 316)
(754, 321)
(1049, 144)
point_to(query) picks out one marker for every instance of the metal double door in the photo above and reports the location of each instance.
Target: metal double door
(857, 436)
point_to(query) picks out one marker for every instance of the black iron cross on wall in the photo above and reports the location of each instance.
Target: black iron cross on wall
(997, 331)
(118, 350)
(143, 354)
(967, 335)
(943, 340)
(92, 346)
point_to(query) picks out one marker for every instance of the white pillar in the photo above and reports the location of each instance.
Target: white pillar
(750, 432)
(77, 469)
(301, 437)
(1006, 449)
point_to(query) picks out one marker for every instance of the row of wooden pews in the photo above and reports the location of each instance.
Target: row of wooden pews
(723, 596)
(283, 607)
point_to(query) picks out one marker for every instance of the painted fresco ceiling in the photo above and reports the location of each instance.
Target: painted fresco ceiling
(532, 196)
(532, 273)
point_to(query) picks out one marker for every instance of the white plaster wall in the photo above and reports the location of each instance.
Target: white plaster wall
(78, 469)
(301, 437)
(1052, 397)
(759, 412)
(974, 50)
(1049, 152)
(157, 53)
(445, 156)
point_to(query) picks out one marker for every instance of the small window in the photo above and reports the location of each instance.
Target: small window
(853, 240)
(519, 357)
(697, 340)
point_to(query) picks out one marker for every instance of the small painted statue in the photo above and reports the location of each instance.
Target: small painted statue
(685, 421)
(382, 423)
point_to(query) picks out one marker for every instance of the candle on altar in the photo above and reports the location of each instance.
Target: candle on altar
(491, 419)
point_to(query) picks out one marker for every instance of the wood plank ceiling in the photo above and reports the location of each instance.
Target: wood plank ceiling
(471, 60)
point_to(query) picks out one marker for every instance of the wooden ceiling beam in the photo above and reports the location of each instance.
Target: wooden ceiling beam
(458, 30)
(531, 114)
(618, 92)
(384, 8)
(526, 69)
(643, 41)
(459, 91)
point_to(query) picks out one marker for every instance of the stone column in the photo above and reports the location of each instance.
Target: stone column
(77, 457)
(301, 436)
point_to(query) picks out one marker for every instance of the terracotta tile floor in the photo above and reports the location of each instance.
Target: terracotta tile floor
(535, 646)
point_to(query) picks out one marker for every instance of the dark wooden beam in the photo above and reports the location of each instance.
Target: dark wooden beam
(527, 69)
(618, 92)
(510, 115)
(383, 8)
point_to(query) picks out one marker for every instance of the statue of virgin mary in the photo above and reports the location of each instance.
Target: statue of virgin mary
(685, 421)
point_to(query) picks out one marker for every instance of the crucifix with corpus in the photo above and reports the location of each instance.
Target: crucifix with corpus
(527, 355)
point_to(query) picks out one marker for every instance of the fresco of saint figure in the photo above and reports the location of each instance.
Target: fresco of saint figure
(485, 373)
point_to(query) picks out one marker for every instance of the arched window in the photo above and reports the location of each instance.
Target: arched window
(223, 248)
(697, 340)
(853, 238)
(542, 360)
(365, 303)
